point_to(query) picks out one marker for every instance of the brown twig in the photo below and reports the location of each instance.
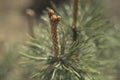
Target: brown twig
(75, 15)
(54, 22)
(30, 17)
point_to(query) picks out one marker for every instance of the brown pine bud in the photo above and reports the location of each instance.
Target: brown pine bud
(53, 18)
(50, 12)
(58, 18)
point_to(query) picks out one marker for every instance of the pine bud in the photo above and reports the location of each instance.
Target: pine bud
(58, 18)
(50, 12)
(53, 18)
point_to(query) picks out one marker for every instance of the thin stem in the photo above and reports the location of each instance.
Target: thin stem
(75, 15)
(30, 17)
(75, 12)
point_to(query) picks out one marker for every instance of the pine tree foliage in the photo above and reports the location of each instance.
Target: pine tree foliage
(76, 59)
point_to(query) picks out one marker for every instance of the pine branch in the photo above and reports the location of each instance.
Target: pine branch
(87, 43)
(75, 15)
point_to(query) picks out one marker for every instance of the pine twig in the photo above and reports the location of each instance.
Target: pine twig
(75, 15)
(54, 22)
(30, 17)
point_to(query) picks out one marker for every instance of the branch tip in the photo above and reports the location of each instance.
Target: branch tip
(50, 12)
(54, 19)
